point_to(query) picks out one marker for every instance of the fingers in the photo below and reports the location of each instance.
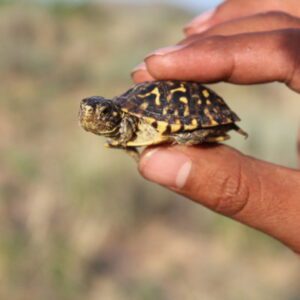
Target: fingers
(202, 22)
(270, 21)
(141, 74)
(234, 9)
(263, 22)
(242, 59)
(261, 195)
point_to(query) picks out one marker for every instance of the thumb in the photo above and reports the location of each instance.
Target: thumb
(258, 194)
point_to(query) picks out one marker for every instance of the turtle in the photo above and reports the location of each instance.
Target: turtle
(159, 112)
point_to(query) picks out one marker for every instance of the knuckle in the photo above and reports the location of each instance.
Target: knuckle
(232, 192)
(225, 7)
(280, 16)
(292, 78)
(220, 8)
(213, 42)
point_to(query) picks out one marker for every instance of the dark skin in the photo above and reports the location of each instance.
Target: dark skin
(241, 42)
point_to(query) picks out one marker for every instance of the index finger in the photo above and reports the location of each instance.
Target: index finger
(242, 59)
(269, 21)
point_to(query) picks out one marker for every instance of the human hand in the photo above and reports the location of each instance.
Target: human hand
(259, 194)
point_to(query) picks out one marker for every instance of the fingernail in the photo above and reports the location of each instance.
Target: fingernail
(166, 50)
(139, 67)
(183, 174)
(197, 30)
(149, 153)
(166, 167)
(201, 21)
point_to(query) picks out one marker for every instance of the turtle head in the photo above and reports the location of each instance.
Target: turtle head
(100, 116)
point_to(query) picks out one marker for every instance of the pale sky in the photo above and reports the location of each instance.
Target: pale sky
(196, 4)
(188, 4)
(191, 5)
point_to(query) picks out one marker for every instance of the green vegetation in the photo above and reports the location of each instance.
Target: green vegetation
(77, 221)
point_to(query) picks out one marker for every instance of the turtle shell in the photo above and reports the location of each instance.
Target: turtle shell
(174, 106)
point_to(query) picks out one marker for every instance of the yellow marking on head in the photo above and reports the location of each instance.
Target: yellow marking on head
(194, 124)
(183, 100)
(186, 112)
(199, 102)
(176, 113)
(205, 93)
(208, 102)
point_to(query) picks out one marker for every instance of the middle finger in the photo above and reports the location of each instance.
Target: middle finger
(269, 21)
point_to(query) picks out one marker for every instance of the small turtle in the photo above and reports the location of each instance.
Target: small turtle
(151, 113)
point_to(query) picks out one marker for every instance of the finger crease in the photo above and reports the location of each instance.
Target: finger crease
(295, 65)
(234, 195)
(242, 191)
(291, 75)
(232, 69)
(245, 202)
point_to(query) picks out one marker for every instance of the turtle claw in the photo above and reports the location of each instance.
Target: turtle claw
(131, 151)
(134, 153)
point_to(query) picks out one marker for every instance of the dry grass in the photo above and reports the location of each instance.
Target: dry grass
(77, 221)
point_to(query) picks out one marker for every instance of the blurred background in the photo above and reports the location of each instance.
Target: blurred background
(77, 220)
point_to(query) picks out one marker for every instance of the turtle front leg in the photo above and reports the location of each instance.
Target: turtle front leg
(134, 153)
(127, 131)
(131, 151)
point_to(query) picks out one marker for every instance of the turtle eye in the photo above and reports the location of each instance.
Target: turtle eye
(106, 110)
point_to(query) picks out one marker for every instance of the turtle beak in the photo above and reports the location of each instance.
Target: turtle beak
(86, 114)
(86, 111)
